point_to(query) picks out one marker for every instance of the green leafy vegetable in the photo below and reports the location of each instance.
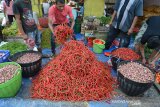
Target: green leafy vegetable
(104, 20)
(46, 38)
(11, 30)
(14, 47)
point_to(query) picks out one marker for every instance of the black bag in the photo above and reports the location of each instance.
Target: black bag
(153, 42)
(124, 41)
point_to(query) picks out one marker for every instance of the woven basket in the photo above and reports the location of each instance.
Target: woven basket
(28, 69)
(130, 87)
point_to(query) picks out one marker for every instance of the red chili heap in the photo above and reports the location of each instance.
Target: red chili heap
(125, 54)
(62, 33)
(74, 75)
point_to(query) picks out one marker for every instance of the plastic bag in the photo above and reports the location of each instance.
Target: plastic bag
(4, 21)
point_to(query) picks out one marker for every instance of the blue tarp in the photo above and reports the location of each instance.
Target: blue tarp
(22, 99)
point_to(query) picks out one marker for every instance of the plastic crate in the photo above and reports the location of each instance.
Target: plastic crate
(28, 69)
(4, 58)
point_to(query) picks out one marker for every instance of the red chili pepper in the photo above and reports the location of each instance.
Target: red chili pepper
(74, 75)
(62, 33)
(125, 54)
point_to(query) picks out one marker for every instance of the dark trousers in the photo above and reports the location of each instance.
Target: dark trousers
(10, 18)
(1, 36)
(113, 33)
(53, 44)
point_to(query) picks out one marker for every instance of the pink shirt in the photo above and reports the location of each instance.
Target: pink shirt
(9, 10)
(60, 17)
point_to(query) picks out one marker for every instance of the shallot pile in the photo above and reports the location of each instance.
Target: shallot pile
(62, 33)
(136, 72)
(125, 54)
(7, 72)
(28, 58)
(74, 75)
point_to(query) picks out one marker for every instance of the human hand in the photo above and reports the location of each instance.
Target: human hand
(30, 42)
(130, 31)
(30, 22)
(152, 64)
(144, 61)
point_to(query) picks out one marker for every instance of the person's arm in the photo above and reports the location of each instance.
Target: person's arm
(4, 9)
(50, 22)
(71, 17)
(138, 12)
(130, 31)
(116, 7)
(142, 53)
(153, 58)
(73, 22)
(19, 23)
(51, 19)
(113, 16)
(18, 20)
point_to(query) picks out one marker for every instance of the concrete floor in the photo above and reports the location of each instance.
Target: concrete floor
(150, 98)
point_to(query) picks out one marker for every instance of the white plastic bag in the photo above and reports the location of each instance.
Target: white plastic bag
(4, 21)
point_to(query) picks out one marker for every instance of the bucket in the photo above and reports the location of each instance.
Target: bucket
(98, 45)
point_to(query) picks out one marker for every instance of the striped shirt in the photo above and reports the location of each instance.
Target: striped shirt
(126, 11)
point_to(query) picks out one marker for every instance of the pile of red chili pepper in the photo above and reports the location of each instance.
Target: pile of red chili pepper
(158, 78)
(62, 33)
(74, 75)
(125, 54)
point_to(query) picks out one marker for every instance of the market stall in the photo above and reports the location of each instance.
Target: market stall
(82, 73)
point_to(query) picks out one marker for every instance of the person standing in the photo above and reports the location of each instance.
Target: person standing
(58, 15)
(123, 21)
(8, 11)
(25, 21)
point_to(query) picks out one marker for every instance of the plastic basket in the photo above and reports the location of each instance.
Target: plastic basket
(28, 69)
(4, 58)
(12, 86)
(130, 87)
(98, 48)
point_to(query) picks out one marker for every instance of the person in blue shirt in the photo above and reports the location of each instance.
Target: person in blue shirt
(124, 18)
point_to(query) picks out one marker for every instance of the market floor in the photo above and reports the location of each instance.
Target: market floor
(150, 99)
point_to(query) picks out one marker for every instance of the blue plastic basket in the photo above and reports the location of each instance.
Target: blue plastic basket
(4, 58)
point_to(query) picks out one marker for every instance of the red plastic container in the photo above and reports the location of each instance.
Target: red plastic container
(90, 41)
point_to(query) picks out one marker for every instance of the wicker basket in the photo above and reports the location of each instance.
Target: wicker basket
(28, 69)
(12, 86)
(130, 87)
